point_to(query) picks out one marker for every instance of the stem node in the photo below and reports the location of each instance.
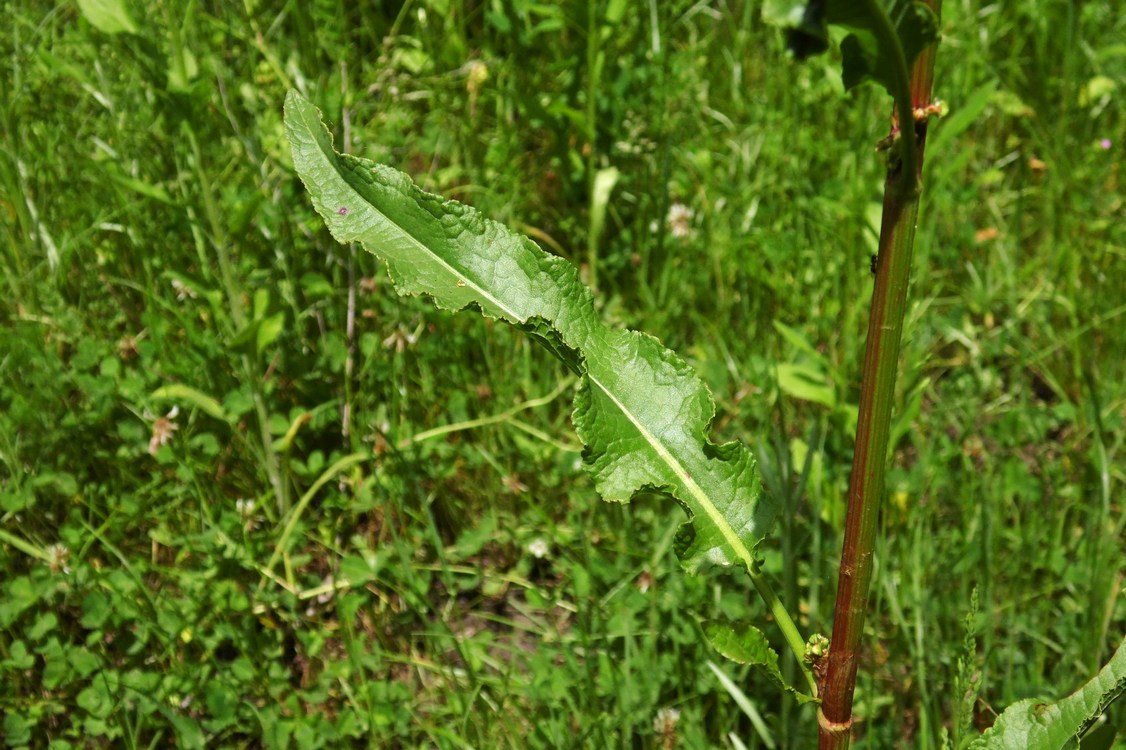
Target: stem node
(835, 728)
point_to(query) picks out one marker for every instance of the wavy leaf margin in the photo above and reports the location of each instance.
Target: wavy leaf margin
(1034, 725)
(641, 412)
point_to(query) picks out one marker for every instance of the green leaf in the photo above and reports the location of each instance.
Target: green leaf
(96, 609)
(188, 732)
(807, 383)
(1100, 737)
(198, 399)
(604, 182)
(1035, 725)
(745, 644)
(221, 700)
(269, 330)
(82, 660)
(864, 58)
(960, 119)
(359, 570)
(96, 700)
(44, 624)
(56, 669)
(139, 186)
(17, 730)
(748, 708)
(806, 32)
(19, 657)
(108, 16)
(641, 412)
(19, 594)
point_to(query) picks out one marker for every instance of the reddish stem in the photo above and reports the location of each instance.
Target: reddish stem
(866, 485)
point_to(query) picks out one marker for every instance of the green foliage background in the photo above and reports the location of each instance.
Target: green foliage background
(159, 252)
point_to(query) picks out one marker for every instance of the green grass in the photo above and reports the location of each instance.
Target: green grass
(154, 235)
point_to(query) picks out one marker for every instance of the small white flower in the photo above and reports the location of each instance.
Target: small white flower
(680, 220)
(162, 429)
(183, 291)
(245, 509)
(400, 339)
(538, 548)
(326, 591)
(329, 583)
(644, 581)
(514, 485)
(665, 721)
(57, 557)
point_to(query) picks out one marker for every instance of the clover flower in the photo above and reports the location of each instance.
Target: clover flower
(162, 429)
(680, 220)
(58, 555)
(538, 548)
(664, 724)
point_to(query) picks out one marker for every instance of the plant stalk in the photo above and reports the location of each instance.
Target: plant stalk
(881, 357)
(594, 73)
(785, 623)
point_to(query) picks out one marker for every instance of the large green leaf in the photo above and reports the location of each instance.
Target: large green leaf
(1035, 725)
(640, 411)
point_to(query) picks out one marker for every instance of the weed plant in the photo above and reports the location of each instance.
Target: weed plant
(212, 413)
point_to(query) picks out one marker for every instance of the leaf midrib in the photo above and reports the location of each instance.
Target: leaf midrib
(459, 278)
(697, 493)
(695, 490)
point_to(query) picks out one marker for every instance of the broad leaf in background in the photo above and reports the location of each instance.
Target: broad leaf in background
(804, 21)
(863, 57)
(108, 16)
(1034, 725)
(641, 412)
